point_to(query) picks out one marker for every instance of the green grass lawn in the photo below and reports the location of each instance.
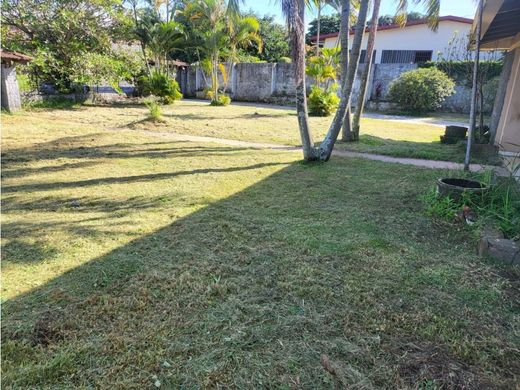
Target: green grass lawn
(272, 125)
(131, 261)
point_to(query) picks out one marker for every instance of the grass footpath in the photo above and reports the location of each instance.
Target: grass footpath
(131, 261)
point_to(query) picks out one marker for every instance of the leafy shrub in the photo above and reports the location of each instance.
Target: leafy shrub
(463, 70)
(421, 90)
(322, 102)
(161, 85)
(500, 206)
(223, 100)
(285, 60)
(155, 110)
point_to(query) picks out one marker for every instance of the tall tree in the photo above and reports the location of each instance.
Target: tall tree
(402, 16)
(57, 31)
(294, 10)
(348, 82)
(295, 13)
(369, 53)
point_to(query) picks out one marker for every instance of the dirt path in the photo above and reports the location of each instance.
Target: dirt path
(433, 164)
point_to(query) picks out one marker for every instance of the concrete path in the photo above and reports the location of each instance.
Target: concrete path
(418, 120)
(441, 122)
(433, 164)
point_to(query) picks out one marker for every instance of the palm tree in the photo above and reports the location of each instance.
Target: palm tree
(432, 11)
(165, 38)
(432, 14)
(369, 52)
(243, 32)
(346, 91)
(294, 10)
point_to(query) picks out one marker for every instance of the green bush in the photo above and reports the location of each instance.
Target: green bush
(161, 85)
(322, 102)
(421, 90)
(223, 100)
(499, 207)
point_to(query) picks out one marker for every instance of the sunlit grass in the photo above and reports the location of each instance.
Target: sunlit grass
(268, 125)
(131, 260)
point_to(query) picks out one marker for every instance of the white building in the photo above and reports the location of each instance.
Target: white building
(413, 43)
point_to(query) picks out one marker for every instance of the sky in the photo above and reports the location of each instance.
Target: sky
(465, 8)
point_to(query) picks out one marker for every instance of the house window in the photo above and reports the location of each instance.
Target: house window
(405, 56)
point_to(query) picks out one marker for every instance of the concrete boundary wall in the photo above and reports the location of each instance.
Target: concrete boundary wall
(274, 83)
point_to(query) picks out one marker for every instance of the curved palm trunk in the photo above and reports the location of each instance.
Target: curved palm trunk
(327, 145)
(354, 135)
(298, 53)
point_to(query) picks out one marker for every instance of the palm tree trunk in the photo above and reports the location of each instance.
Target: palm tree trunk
(214, 78)
(346, 91)
(354, 135)
(346, 130)
(297, 23)
(318, 32)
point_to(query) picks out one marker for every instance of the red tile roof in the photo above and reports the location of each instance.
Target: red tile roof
(14, 56)
(447, 18)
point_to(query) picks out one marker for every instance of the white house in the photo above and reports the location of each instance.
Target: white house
(413, 43)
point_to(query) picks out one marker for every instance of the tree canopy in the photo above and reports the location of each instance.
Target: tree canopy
(57, 31)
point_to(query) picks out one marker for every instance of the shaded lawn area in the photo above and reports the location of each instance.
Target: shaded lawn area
(130, 261)
(247, 122)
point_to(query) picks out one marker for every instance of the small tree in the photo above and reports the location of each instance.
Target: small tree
(421, 90)
(94, 69)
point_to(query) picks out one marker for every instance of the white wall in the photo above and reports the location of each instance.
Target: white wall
(418, 37)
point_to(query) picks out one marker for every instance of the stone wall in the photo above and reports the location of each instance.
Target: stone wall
(274, 83)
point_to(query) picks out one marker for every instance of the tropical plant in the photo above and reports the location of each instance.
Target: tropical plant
(160, 84)
(323, 99)
(421, 90)
(243, 32)
(222, 100)
(220, 30)
(323, 102)
(325, 67)
(295, 13)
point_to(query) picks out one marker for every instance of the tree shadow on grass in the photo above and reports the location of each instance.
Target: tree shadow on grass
(73, 148)
(331, 260)
(18, 251)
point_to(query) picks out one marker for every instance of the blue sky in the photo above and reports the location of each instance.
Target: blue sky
(465, 8)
